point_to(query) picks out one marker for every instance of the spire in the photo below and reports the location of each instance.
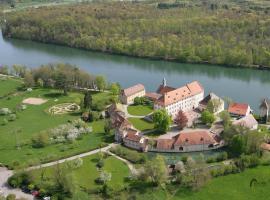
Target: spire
(164, 82)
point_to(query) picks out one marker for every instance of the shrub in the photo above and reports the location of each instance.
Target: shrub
(132, 156)
(75, 164)
(12, 117)
(41, 140)
(100, 163)
(20, 179)
(5, 111)
(11, 197)
(221, 157)
(94, 116)
(4, 122)
(211, 160)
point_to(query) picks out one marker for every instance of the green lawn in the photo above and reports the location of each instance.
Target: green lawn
(233, 187)
(8, 85)
(139, 110)
(141, 124)
(35, 119)
(86, 174)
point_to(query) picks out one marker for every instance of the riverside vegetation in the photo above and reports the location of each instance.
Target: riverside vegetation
(227, 33)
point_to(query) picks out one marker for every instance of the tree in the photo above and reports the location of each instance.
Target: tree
(88, 100)
(162, 120)
(62, 82)
(63, 184)
(115, 89)
(254, 140)
(181, 119)
(226, 118)
(101, 82)
(207, 117)
(156, 170)
(213, 105)
(41, 140)
(237, 145)
(29, 80)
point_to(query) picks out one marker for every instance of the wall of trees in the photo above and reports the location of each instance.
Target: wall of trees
(195, 34)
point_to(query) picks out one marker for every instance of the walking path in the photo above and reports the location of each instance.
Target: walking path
(5, 173)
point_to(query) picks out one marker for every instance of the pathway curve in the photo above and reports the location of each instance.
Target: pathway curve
(5, 173)
(128, 163)
(5, 189)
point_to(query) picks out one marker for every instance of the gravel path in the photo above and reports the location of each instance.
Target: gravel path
(5, 173)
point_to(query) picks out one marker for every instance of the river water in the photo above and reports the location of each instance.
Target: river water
(241, 85)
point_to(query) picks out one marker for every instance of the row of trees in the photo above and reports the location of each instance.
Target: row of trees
(188, 34)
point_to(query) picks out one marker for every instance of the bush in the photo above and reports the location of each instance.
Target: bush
(4, 122)
(41, 140)
(100, 163)
(11, 197)
(247, 161)
(5, 111)
(12, 117)
(211, 160)
(221, 157)
(20, 180)
(94, 116)
(132, 156)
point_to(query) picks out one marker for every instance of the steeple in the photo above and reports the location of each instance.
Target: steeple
(164, 82)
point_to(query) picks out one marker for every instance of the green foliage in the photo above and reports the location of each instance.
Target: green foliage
(128, 154)
(184, 33)
(101, 82)
(41, 140)
(207, 117)
(156, 170)
(11, 197)
(162, 120)
(226, 118)
(88, 100)
(21, 179)
(237, 145)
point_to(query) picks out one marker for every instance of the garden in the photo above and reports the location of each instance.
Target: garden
(23, 124)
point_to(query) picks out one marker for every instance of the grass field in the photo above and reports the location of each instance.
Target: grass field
(8, 86)
(86, 174)
(139, 110)
(233, 187)
(35, 119)
(141, 124)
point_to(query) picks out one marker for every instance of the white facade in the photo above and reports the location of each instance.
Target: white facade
(185, 104)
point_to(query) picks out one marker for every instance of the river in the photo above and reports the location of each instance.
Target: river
(241, 85)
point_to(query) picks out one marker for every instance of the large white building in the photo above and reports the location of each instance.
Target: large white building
(185, 98)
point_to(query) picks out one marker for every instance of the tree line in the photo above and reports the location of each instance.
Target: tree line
(196, 34)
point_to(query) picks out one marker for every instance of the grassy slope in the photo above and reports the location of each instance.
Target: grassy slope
(141, 124)
(35, 119)
(7, 86)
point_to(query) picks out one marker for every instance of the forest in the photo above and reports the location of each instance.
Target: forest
(225, 33)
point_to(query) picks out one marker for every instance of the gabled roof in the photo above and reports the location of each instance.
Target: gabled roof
(152, 95)
(238, 108)
(208, 98)
(248, 121)
(133, 90)
(162, 89)
(178, 94)
(165, 144)
(133, 136)
(194, 138)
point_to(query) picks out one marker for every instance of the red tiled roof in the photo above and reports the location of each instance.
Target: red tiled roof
(165, 143)
(164, 89)
(238, 108)
(132, 136)
(133, 90)
(178, 94)
(152, 95)
(194, 138)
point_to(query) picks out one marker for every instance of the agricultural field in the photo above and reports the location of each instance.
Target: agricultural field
(16, 135)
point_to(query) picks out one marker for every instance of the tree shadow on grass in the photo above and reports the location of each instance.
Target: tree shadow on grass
(53, 95)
